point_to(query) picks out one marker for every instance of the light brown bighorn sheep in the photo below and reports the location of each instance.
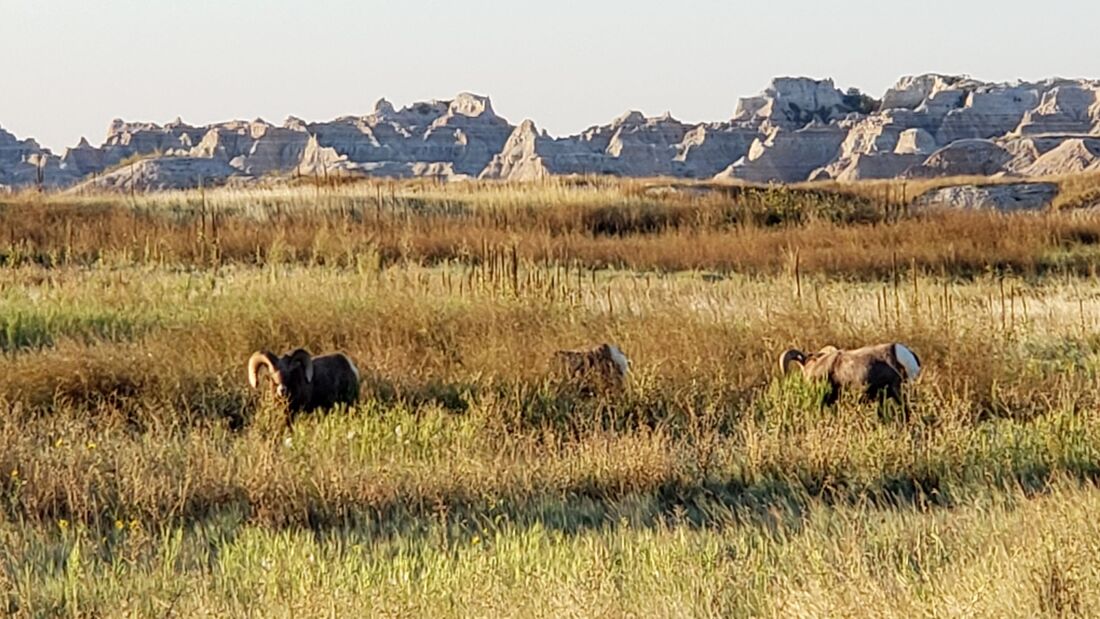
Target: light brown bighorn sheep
(877, 370)
(597, 369)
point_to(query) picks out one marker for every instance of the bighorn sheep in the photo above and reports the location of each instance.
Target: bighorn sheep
(878, 370)
(306, 382)
(601, 368)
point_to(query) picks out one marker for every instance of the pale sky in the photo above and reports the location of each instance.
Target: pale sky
(70, 66)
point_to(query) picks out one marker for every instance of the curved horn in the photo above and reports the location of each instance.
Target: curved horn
(908, 360)
(303, 357)
(257, 361)
(789, 357)
(619, 358)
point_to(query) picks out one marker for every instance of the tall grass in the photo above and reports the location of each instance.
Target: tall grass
(140, 475)
(1009, 555)
(635, 226)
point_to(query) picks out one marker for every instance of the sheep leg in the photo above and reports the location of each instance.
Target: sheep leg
(888, 396)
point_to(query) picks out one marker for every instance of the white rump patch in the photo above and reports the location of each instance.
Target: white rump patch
(908, 360)
(619, 359)
(354, 370)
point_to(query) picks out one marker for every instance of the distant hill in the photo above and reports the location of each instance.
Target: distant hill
(797, 129)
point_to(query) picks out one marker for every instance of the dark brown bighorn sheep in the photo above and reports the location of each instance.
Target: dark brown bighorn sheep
(877, 370)
(306, 382)
(597, 369)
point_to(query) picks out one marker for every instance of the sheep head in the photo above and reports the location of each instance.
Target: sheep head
(288, 374)
(304, 382)
(791, 357)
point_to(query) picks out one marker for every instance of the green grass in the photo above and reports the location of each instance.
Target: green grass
(1008, 555)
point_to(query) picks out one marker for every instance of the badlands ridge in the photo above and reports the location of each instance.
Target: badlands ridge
(798, 129)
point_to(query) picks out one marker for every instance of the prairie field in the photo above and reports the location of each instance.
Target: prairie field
(141, 477)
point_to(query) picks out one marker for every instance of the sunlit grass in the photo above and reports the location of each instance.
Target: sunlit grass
(1008, 555)
(138, 473)
(859, 231)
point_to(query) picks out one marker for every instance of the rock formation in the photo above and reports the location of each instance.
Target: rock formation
(631, 145)
(705, 149)
(793, 103)
(1002, 197)
(461, 135)
(23, 163)
(158, 173)
(913, 91)
(788, 156)
(1070, 157)
(1065, 108)
(964, 158)
(797, 129)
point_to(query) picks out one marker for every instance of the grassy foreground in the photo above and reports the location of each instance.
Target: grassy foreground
(140, 477)
(1009, 556)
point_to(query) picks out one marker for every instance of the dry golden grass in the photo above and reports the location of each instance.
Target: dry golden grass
(639, 226)
(139, 475)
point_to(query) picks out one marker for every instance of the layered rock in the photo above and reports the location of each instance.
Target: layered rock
(130, 139)
(159, 173)
(708, 149)
(631, 145)
(913, 91)
(871, 166)
(15, 155)
(964, 158)
(321, 161)
(915, 142)
(1070, 157)
(878, 133)
(795, 130)
(273, 149)
(83, 159)
(788, 156)
(882, 145)
(988, 112)
(794, 102)
(1065, 108)
(640, 146)
(23, 163)
(531, 155)
(464, 132)
(1006, 197)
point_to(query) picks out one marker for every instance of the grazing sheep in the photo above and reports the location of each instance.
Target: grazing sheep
(878, 370)
(306, 382)
(601, 368)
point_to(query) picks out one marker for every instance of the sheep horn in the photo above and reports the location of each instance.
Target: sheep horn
(788, 357)
(908, 360)
(303, 357)
(255, 362)
(618, 357)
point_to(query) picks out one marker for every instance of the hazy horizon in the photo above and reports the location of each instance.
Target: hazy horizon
(566, 66)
